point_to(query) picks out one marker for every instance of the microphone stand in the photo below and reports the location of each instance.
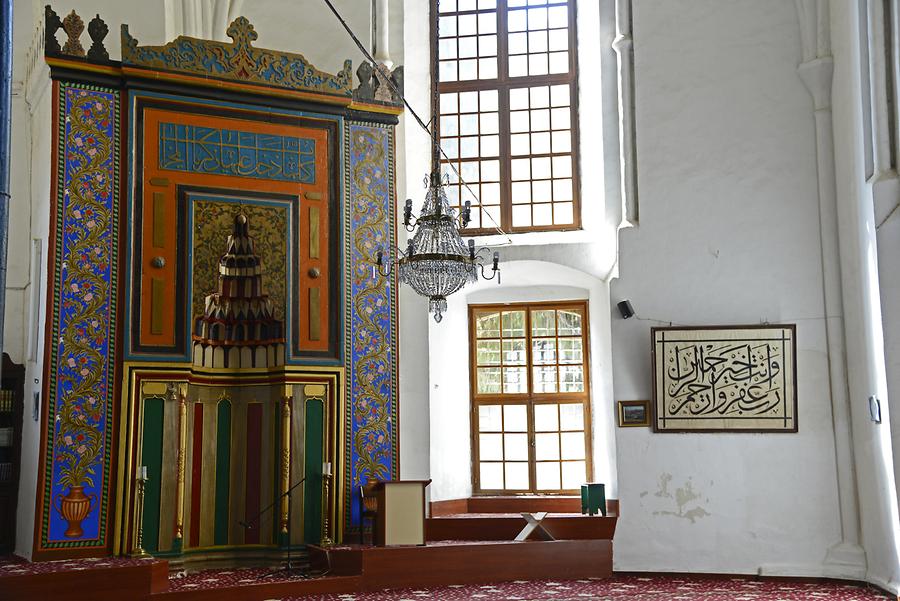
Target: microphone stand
(289, 566)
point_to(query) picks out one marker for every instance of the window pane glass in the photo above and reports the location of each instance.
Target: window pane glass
(543, 351)
(547, 474)
(544, 378)
(571, 378)
(517, 476)
(518, 99)
(558, 16)
(572, 445)
(490, 446)
(468, 47)
(559, 62)
(571, 416)
(573, 474)
(447, 27)
(546, 446)
(514, 351)
(559, 95)
(569, 323)
(517, 20)
(559, 39)
(521, 215)
(518, 66)
(563, 213)
(543, 214)
(546, 418)
(513, 324)
(491, 476)
(570, 350)
(487, 325)
(515, 418)
(488, 352)
(488, 100)
(488, 380)
(515, 380)
(489, 418)
(516, 448)
(543, 322)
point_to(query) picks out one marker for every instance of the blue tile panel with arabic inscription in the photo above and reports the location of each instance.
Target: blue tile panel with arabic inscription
(197, 149)
(373, 335)
(82, 350)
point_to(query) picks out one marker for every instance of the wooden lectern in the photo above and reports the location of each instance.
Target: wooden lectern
(401, 512)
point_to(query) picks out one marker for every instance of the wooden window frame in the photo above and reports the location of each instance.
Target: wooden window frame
(502, 84)
(530, 398)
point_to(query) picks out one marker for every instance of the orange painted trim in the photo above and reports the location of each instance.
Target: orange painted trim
(152, 117)
(83, 65)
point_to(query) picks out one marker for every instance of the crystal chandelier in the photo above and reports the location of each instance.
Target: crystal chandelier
(436, 262)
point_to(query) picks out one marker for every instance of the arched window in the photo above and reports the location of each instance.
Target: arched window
(530, 397)
(508, 117)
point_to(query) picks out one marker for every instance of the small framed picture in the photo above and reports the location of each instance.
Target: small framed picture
(633, 414)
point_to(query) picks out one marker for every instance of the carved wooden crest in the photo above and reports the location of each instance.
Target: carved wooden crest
(237, 61)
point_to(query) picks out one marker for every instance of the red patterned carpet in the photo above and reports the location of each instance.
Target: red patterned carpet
(631, 588)
(11, 565)
(622, 587)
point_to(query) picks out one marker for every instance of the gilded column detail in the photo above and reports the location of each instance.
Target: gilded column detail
(285, 458)
(182, 449)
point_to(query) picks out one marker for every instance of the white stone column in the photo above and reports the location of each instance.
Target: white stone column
(204, 19)
(382, 33)
(846, 558)
(865, 356)
(624, 47)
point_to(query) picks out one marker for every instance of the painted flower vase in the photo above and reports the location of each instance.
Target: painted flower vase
(74, 507)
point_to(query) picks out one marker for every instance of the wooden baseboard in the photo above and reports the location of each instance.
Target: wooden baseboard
(514, 504)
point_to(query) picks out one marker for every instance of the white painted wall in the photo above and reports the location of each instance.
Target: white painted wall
(728, 235)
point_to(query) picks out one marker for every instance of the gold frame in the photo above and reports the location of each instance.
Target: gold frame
(620, 414)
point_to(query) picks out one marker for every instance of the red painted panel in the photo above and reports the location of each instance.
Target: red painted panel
(253, 471)
(196, 475)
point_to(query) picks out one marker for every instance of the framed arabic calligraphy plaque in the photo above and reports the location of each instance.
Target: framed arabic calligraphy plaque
(725, 379)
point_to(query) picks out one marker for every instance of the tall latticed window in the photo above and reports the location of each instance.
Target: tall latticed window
(507, 83)
(531, 403)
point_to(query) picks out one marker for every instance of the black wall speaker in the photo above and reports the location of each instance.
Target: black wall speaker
(626, 309)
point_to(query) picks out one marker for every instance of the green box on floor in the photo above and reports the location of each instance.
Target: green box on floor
(593, 498)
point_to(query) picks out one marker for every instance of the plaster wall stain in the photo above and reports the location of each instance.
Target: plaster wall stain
(684, 497)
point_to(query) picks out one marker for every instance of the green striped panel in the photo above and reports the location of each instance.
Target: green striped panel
(223, 470)
(151, 457)
(312, 497)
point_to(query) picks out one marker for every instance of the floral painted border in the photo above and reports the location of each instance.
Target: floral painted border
(372, 417)
(83, 321)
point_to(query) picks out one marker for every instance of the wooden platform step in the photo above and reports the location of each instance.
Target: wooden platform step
(453, 562)
(498, 527)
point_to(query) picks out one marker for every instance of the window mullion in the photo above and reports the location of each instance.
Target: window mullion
(532, 463)
(503, 117)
